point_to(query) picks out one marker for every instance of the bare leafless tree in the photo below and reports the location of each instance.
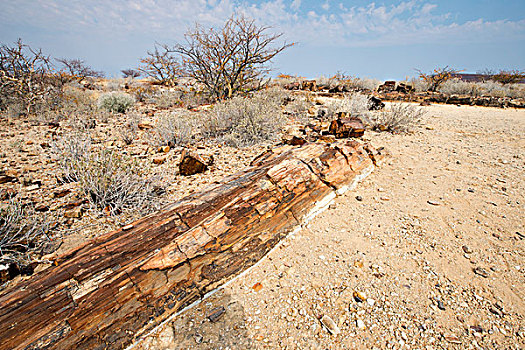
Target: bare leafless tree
(161, 65)
(229, 60)
(130, 73)
(24, 75)
(508, 76)
(76, 69)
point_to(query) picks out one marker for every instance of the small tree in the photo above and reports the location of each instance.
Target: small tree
(24, 75)
(231, 59)
(130, 73)
(76, 69)
(161, 65)
(437, 77)
(508, 76)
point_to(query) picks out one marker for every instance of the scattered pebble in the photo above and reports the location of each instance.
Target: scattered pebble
(330, 325)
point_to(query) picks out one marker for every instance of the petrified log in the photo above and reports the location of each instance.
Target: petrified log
(110, 290)
(344, 126)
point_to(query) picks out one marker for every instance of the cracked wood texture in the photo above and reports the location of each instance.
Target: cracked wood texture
(114, 288)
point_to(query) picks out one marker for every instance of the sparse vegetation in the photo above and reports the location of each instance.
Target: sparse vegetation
(397, 118)
(508, 76)
(437, 77)
(356, 104)
(172, 129)
(230, 60)
(243, 121)
(116, 102)
(76, 69)
(21, 233)
(112, 182)
(128, 131)
(161, 66)
(24, 76)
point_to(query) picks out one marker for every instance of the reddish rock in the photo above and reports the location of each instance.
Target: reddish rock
(159, 160)
(344, 127)
(192, 163)
(294, 140)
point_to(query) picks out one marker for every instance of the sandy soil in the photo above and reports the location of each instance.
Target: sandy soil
(432, 242)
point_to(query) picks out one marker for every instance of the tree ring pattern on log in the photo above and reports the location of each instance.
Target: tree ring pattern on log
(110, 290)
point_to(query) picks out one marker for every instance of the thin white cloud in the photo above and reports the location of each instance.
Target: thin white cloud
(408, 22)
(295, 5)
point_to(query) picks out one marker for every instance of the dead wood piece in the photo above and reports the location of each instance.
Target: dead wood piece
(111, 290)
(344, 127)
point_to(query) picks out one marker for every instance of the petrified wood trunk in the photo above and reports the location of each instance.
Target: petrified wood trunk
(112, 289)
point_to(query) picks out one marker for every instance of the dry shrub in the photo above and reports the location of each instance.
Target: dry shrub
(458, 87)
(129, 130)
(397, 118)
(173, 129)
(356, 104)
(21, 233)
(111, 182)
(365, 84)
(167, 99)
(115, 102)
(244, 121)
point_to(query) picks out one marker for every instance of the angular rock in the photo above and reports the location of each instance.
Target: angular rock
(192, 163)
(344, 127)
(375, 104)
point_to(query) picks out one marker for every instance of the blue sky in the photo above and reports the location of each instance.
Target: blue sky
(381, 39)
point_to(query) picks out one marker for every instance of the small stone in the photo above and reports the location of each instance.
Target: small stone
(359, 198)
(322, 257)
(384, 198)
(330, 325)
(59, 193)
(358, 296)
(433, 203)
(360, 324)
(41, 208)
(164, 149)
(145, 126)
(466, 249)
(481, 271)
(127, 227)
(74, 213)
(216, 314)
(198, 338)
(257, 287)
(471, 190)
(159, 160)
(33, 187)
(370, 301)
(452, 339)
(440, 305)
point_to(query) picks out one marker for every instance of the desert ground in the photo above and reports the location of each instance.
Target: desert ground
(426, 253)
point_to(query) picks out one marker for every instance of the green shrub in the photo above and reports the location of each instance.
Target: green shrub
(115, 102)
